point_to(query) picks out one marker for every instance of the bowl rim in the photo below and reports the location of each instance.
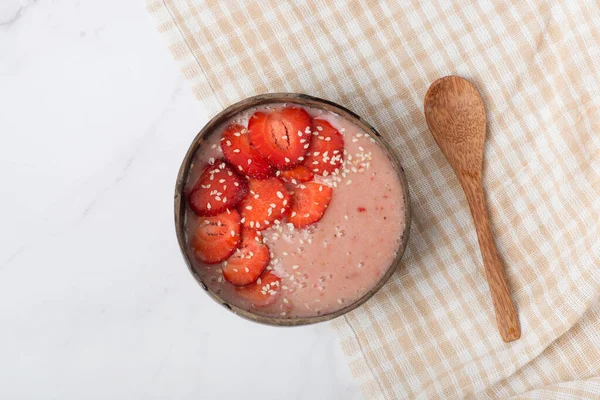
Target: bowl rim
(306, 101)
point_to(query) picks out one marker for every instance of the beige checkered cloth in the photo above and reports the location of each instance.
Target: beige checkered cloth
(431, 332)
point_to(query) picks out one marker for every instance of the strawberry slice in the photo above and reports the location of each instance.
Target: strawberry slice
(267, 201)
(216, 238)
(309, 202)
(248, 261)
(326, 151)
(281, 136)
(236, 148)
(299, 174)
(263, 292)
(218, 188)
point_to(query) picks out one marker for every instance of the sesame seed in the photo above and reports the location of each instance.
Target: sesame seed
(306, 146)
(236, 150)
(258, 281)
(236, 184)
(235, 270)
(346, 217)
(256, 196)
(211, 161)
(208, 206)
(237, 134)
(306, 215)
(293, 214)
(279, 194)
(287, 159)
(284, 137)
(286, 301)
(246, 269)
(214, 146)
(225, 200)
(327, 139)
(284, 202)
(257, 224)
(249, 161)
(299, 133)
(349, 182)
(251, 224)
(248, 207)
(320, 128)
(283, 313)
(316, 153)
(243, 220)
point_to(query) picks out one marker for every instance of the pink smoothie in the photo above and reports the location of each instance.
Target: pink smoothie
(336, 261)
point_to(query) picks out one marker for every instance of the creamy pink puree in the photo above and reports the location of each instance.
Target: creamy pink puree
(333, 263)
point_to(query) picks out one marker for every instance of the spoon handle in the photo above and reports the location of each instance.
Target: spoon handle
(506, 315)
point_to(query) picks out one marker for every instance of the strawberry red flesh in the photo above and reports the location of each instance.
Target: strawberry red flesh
(267, 200)
(326, 151)
(217, 237)
(248, 261)
(281, 136)
(218, 188)
(299, 174)
(263, 292)
(237, 150)
(309, 203)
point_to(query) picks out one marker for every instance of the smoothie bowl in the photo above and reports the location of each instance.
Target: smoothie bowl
(290, 209)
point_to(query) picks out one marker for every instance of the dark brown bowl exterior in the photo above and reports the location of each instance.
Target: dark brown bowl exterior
(303, 100)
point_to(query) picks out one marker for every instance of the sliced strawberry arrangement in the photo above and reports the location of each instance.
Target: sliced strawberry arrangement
(299, 174)
(281, 136)
(218, 188)
(217, 237)
(266, 201)
(237, 150)
(309, 202)
(263, 292)
(249, 261)
(326, 151)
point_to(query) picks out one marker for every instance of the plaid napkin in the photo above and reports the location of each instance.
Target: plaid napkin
(431, 332)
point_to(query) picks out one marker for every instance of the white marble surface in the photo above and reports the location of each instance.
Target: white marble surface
(95, 300)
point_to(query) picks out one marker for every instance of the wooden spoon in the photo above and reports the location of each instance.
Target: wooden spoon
(455, 115)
